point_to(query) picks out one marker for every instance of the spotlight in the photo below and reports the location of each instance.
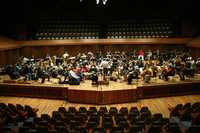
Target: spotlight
(99, 1)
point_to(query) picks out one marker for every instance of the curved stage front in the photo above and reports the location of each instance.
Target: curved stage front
(113, 93)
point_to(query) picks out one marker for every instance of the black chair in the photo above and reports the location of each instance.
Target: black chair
(124, 110)
(113, 110)
(99, 130)
(102, 110)
(157, 116)
(194, 129)
(123, 124)
(62, 110)
(92, 110)
(45, 117)
(42, 129)
(91, 124)
(174, 128)
(117, 130)
(61, 129)
(136, 129)
(155, 129)
(82, 110)
(72, 110)
(107, 122)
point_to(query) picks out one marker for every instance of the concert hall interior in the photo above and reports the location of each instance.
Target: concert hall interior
(99, 66)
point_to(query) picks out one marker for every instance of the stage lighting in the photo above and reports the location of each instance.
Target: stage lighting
(99, 1)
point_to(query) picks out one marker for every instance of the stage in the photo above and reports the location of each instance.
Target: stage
(114, 92)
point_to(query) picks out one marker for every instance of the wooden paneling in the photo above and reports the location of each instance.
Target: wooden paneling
(119, 96)
(106, 41)
(33, 91)
(9, 56)
(84, 96)
(100, 97)
(168, 90)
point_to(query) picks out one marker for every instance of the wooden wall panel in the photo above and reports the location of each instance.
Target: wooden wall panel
(54, 92)
(9, 56)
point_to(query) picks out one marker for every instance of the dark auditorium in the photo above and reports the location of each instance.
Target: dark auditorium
(99, 66)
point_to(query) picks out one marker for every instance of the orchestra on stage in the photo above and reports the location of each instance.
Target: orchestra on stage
(102, 67)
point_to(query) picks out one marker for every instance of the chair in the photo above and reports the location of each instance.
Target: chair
(117, 130)
(99, 130)
(72, 110)
(174, 128)
(107, 122)
(124, 110)
(136, 129)
(92, 110)
(61, 129)
(123, 124)
(155, 129)
(91, 124)
(102, 110)
(194, 129)
(42, 129)
(12, 107)
(56, 115)
(45, 117)
(62, 110)
(113, 111)
(157, 117)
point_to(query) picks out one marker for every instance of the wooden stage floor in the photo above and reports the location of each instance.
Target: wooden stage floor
(156, 105)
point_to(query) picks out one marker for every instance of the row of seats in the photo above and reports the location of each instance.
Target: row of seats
(92, 120)
(53, 31)
(142, 30)
(56, 31)
(69, 35)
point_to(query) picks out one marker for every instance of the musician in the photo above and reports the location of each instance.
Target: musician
(154, 70)
(133, 74)
(43, 72)
(54, 72)
(130, 77)
(141, 55)
(146, 75)
(94, 78)
(198, 65)
(105, 65)
(65, 55)
(28, 72)
(12, 72)
(73, 77)
(114, 75)
(149, 54)
(179, 66)
(168, 70)
(190, 67)
(65, 73)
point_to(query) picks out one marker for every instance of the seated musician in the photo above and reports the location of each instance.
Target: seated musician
(105, 65)
(167, 71)
(146, 75)
(73, 77)
(198, 65)
(114, 75)
(94, 78)
(179, 68)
